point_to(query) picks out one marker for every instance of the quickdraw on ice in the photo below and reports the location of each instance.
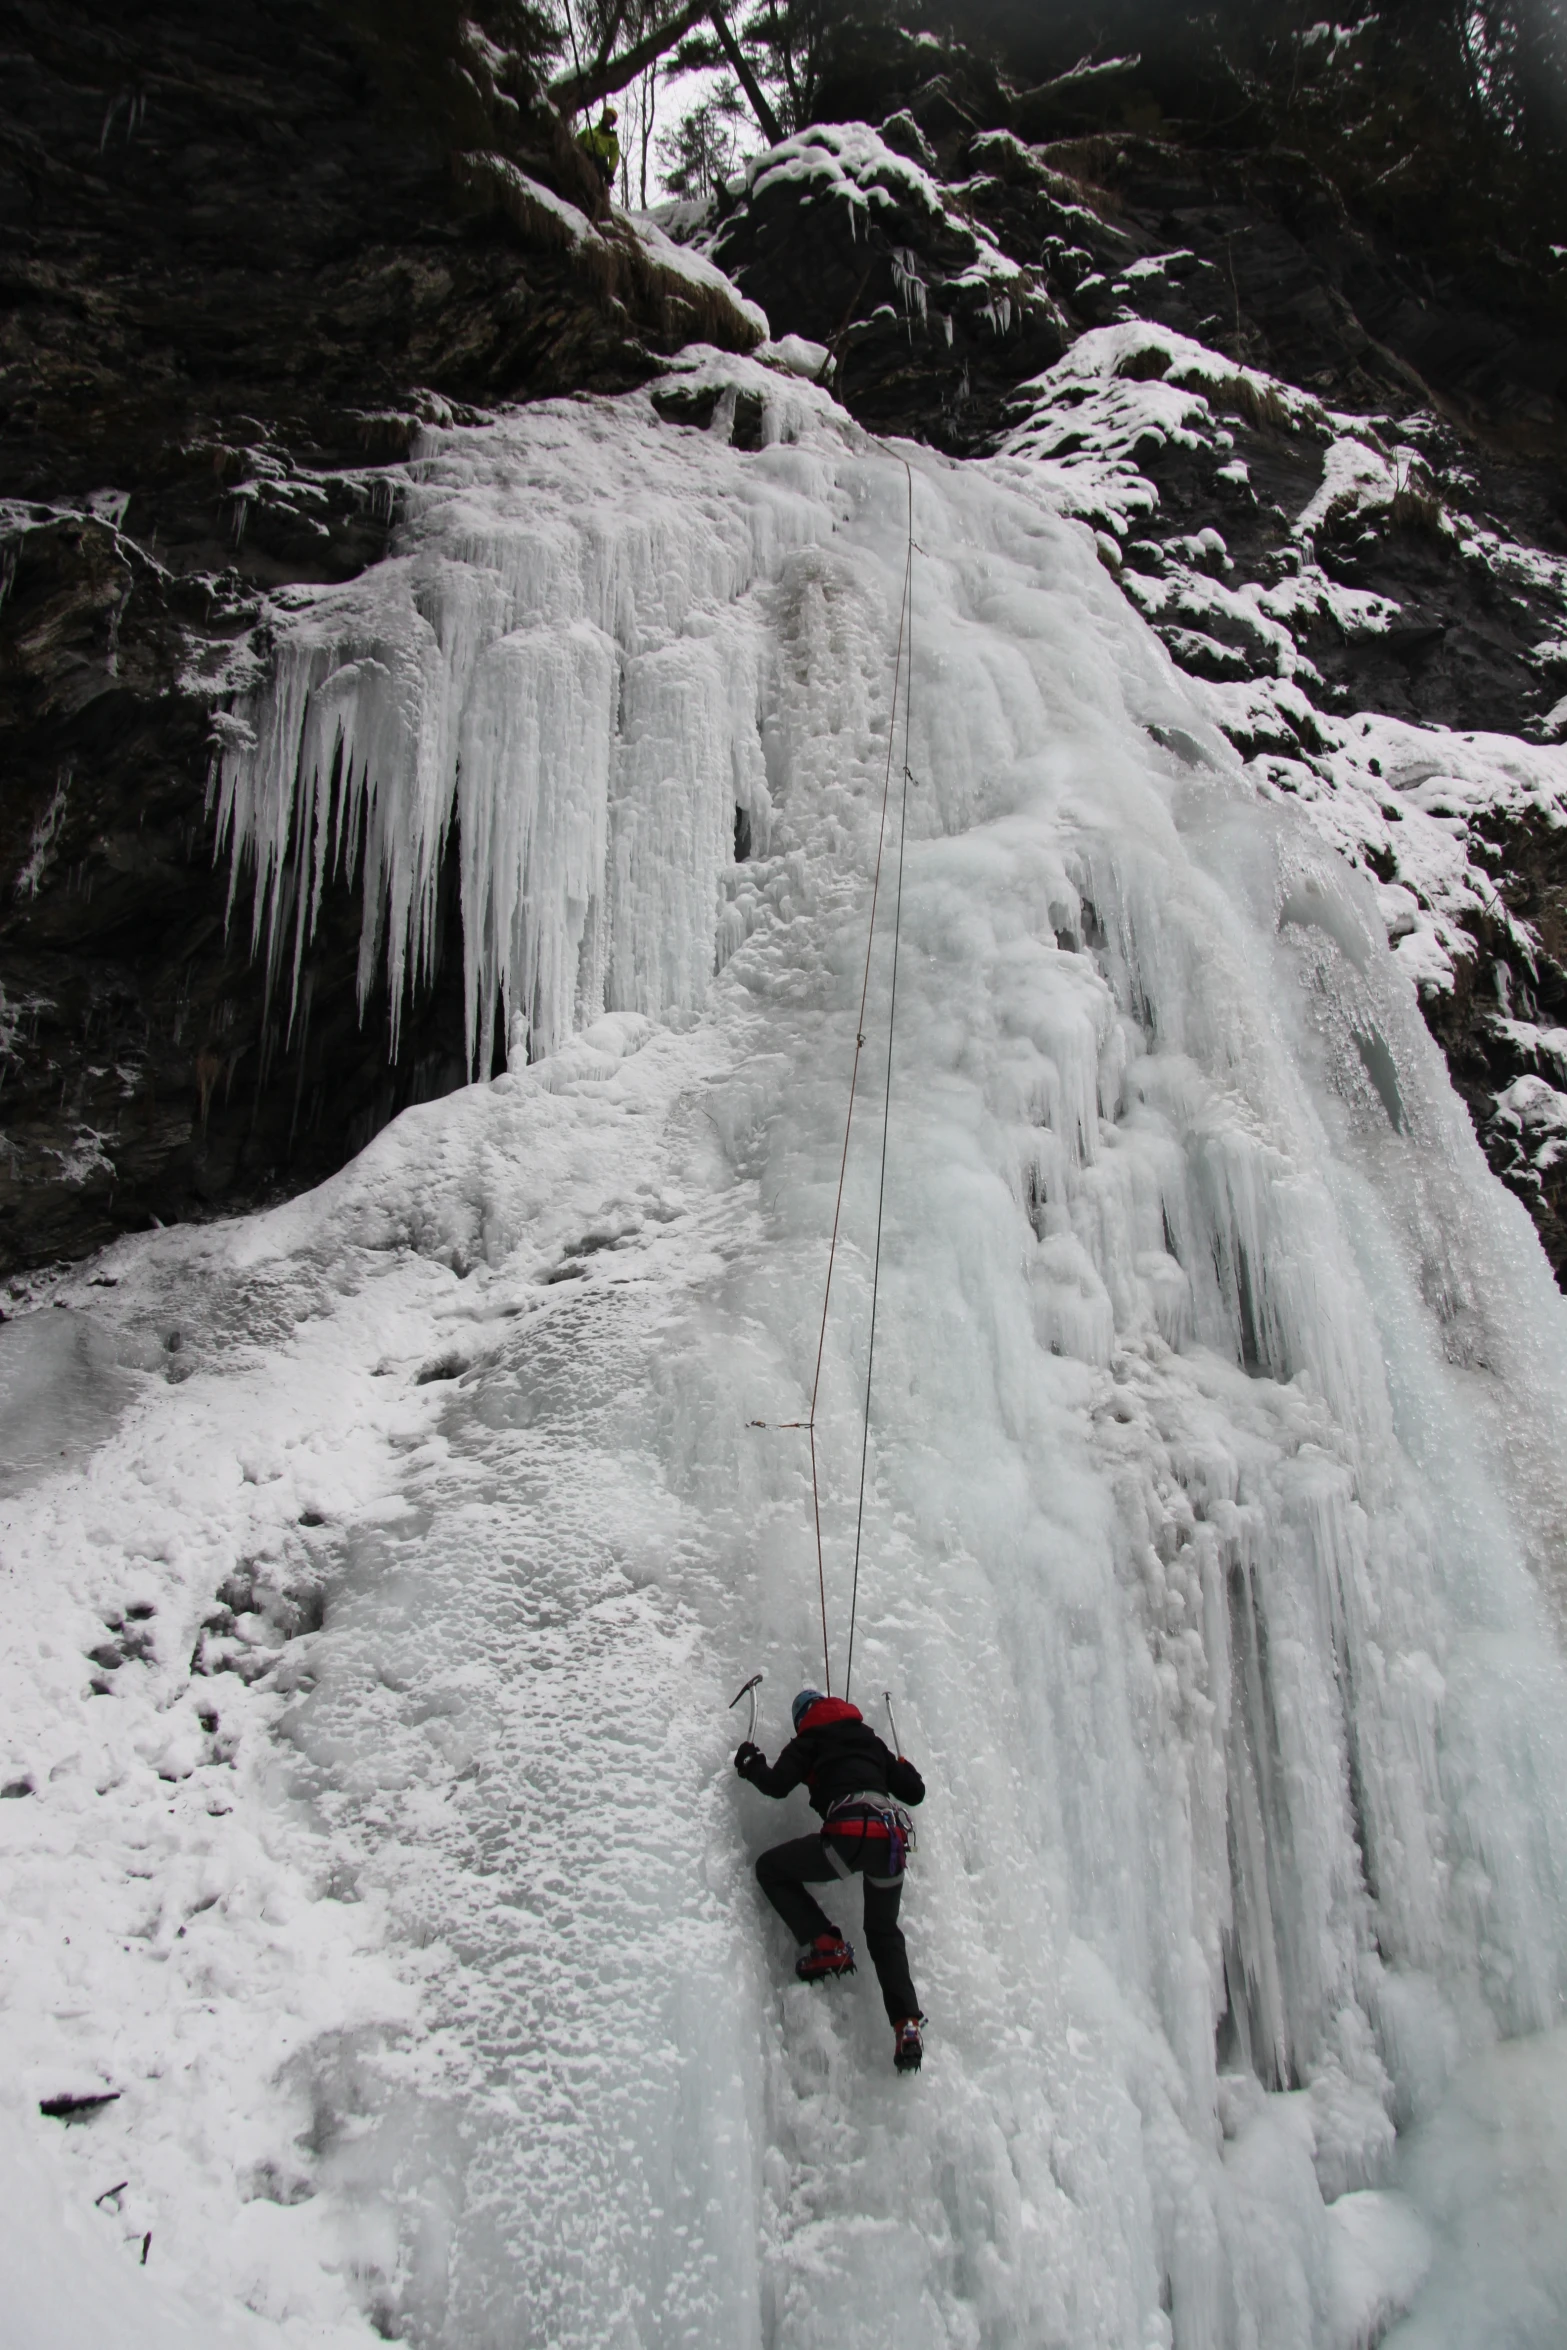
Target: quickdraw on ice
(902, 680)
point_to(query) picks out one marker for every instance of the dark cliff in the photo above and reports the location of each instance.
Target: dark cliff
(242, 254)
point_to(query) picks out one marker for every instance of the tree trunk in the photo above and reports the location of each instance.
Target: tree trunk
(745, 77)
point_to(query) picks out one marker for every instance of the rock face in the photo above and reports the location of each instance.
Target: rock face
(849, 235)
(246, 259)
(243, 254)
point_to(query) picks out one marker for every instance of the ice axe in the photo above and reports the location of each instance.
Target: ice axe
(748, 1690)
(897, 1743)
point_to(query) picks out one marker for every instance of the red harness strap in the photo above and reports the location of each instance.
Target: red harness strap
(865, 1820)
(860, 1824)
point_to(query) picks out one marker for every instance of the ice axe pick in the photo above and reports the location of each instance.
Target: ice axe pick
(749, 1689)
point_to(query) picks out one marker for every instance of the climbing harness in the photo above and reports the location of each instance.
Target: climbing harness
(902, 679)
(880, 1833)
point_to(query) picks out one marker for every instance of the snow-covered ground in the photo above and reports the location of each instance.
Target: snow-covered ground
(376, 1571)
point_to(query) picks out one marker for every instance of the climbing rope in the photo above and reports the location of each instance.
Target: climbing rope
(905, 644)
(886, 1107)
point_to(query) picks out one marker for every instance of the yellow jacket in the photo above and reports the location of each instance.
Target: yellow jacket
(599, 143)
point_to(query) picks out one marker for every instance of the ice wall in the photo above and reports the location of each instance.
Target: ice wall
(1216, 1454)
(567, 701)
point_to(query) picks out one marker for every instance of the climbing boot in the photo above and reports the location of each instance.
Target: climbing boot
(907, 2046)
(827, 1956)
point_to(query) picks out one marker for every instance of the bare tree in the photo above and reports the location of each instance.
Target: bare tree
(699, 154)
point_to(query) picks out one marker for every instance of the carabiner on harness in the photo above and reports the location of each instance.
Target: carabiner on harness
(877, 1832)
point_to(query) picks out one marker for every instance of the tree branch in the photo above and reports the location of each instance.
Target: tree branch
(576, 90)
(744, 76)
(611, 33)
(1081, 76)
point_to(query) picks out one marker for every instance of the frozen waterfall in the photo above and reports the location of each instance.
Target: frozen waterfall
(1214, 1534)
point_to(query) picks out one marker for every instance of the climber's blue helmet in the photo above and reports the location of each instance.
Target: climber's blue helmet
(803, 1704)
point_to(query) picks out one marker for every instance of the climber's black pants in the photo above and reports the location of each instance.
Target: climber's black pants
(783, 1875)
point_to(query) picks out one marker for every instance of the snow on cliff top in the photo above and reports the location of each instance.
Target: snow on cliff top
(1091, 434)
(853, 164)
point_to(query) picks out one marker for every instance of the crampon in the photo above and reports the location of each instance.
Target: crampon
(827, 1956)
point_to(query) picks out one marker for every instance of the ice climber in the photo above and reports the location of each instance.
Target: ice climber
(600, 143)
(858, 1786)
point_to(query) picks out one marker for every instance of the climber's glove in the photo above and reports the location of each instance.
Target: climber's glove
(749, 1759)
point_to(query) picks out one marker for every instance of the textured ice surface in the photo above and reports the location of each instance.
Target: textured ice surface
(560, 665)
(63, 1384)
(1217, 1485)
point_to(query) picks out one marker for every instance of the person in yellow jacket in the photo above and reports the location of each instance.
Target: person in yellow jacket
(601, 145)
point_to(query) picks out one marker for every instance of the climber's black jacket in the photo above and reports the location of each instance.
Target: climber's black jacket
(834, 1753)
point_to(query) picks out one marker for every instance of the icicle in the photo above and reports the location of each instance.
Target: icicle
(561, 684)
